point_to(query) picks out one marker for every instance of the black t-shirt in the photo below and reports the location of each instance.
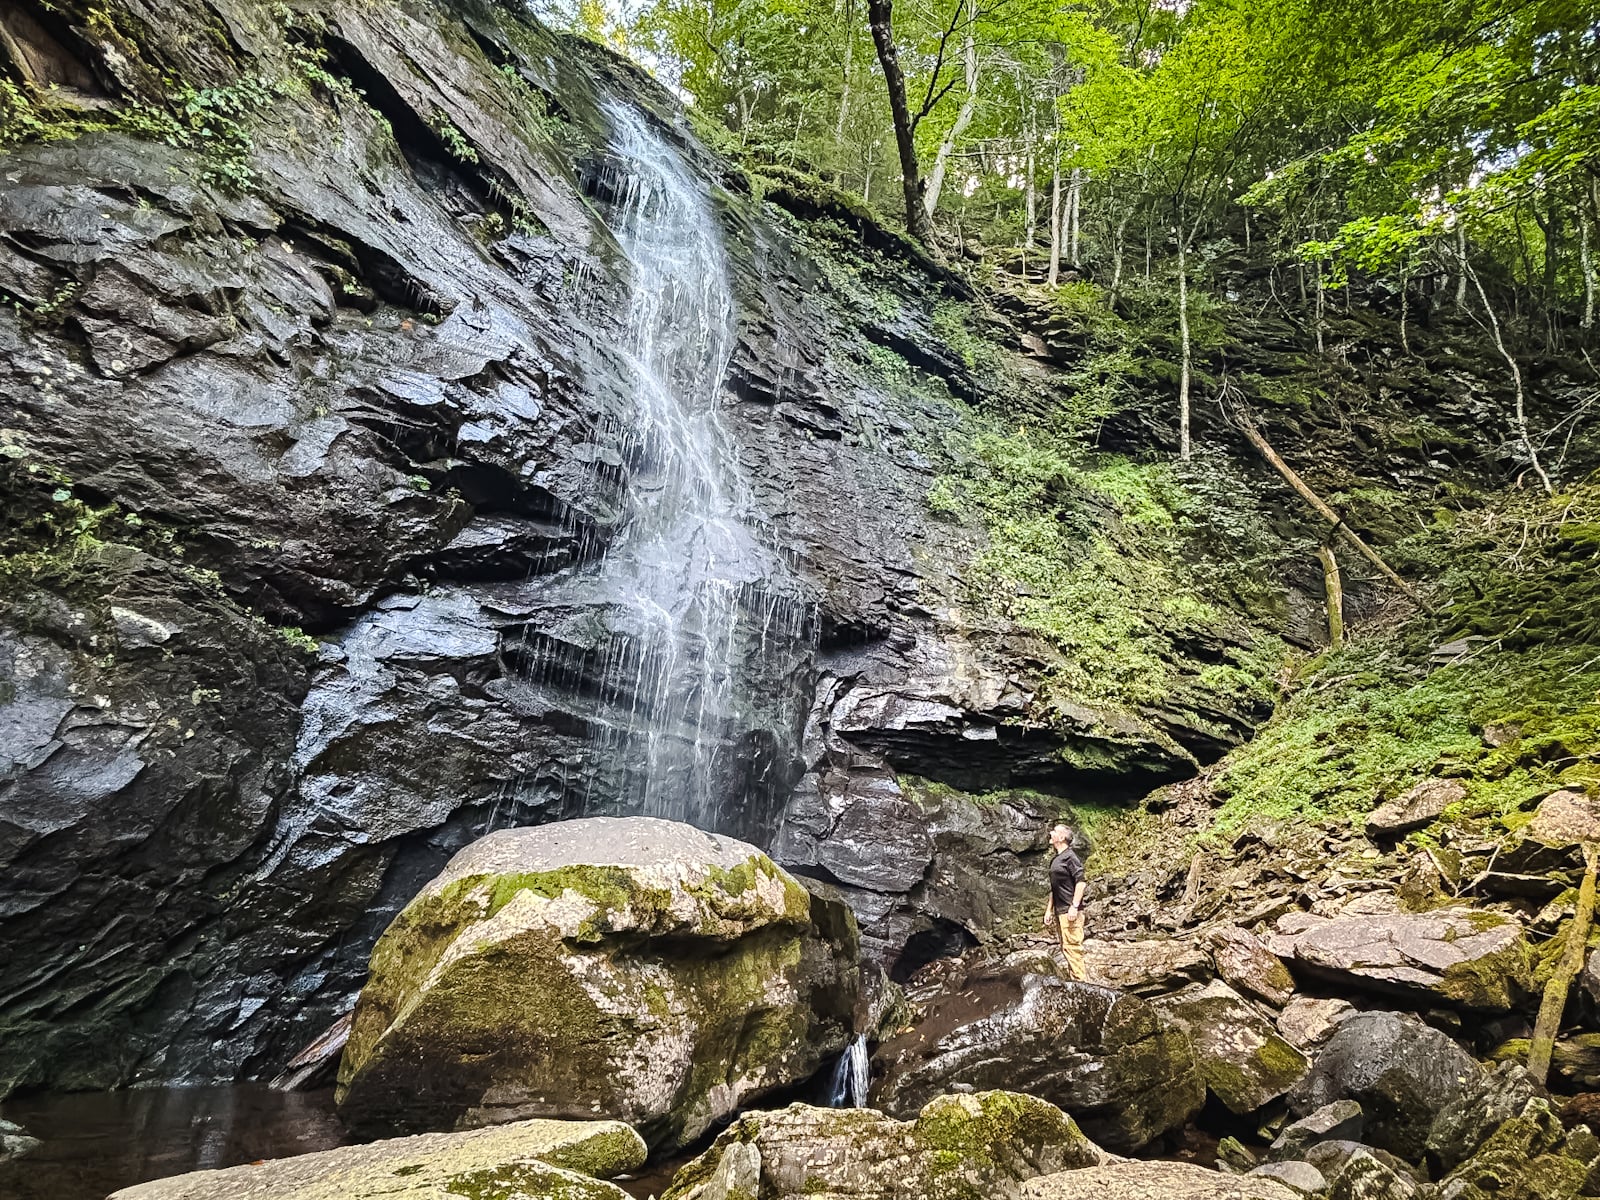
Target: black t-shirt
(1066, 872)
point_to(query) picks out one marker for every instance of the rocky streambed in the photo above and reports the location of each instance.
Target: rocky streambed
(565, 1004)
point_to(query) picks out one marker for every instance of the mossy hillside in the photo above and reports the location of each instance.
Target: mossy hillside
(1362, 724)
(1145, 577)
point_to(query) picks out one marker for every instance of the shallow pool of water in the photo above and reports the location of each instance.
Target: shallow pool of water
(97, 1142)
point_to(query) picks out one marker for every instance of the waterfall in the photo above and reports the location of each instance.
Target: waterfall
(693, 706)
(849, 1086)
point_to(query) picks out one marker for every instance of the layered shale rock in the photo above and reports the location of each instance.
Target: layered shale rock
(1455, 956)
(632, 968)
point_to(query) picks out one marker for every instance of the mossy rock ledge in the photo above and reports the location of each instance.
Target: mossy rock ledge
(629, 968)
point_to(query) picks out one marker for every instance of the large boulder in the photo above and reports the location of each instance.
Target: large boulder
(629, 967)
(532, 1158)
(1403, 1074)
(1245, 1063)
(970, 1147)
(1107, 1058)
(1456, 956)
(1154, 1181)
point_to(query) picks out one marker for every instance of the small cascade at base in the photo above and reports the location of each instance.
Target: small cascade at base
(849, 1086)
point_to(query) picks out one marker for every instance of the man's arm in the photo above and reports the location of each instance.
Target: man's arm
(1077, 899)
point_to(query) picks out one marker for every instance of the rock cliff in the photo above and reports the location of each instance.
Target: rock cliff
(317, 434)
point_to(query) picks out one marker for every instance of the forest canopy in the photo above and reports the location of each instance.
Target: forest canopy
(1443, 144)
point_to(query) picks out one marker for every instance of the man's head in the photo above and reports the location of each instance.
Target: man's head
(1060, 838)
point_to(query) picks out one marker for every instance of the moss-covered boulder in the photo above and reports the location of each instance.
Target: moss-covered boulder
(621, 967)
(1245, 1063)
(1106, 1057)
(565, 1159)
(971, 1147)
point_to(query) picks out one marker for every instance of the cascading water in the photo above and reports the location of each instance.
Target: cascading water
(848, 1088)
(692, 700)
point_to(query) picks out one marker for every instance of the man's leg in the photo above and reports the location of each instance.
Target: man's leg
(1072, 945)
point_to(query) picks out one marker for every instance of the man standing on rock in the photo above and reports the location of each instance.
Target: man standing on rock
(1063, 910)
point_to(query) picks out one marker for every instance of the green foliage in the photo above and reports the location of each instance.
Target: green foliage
(1370, 720)
(298, 639)
(1086, 551)
(455, 142)
(214, 122)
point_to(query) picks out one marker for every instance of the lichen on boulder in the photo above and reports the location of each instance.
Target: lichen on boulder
(978, 1146)
(1245, 1063)
(622, 967)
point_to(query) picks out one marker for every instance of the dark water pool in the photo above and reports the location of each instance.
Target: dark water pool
(97, 1142)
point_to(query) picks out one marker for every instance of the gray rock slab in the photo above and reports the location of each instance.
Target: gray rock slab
(566, 1158)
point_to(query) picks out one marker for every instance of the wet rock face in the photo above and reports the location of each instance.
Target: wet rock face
(634, 967)
(1105, 1057)
(142, 765)
(960, 1147)
(928, 870)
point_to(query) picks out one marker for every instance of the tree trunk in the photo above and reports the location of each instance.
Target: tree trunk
(1318, 505)
(1055, 218)
(969, 103)
(1461, 253)
(881, 18)
(1586, 257)
(1074, 199)
(1183, 347)
(1405, 297)
(1030, 227)
(1333, 590)
(1519, 415)
(1321, 305)
(849, 74)
(1116, 260)
(1554, 1002)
